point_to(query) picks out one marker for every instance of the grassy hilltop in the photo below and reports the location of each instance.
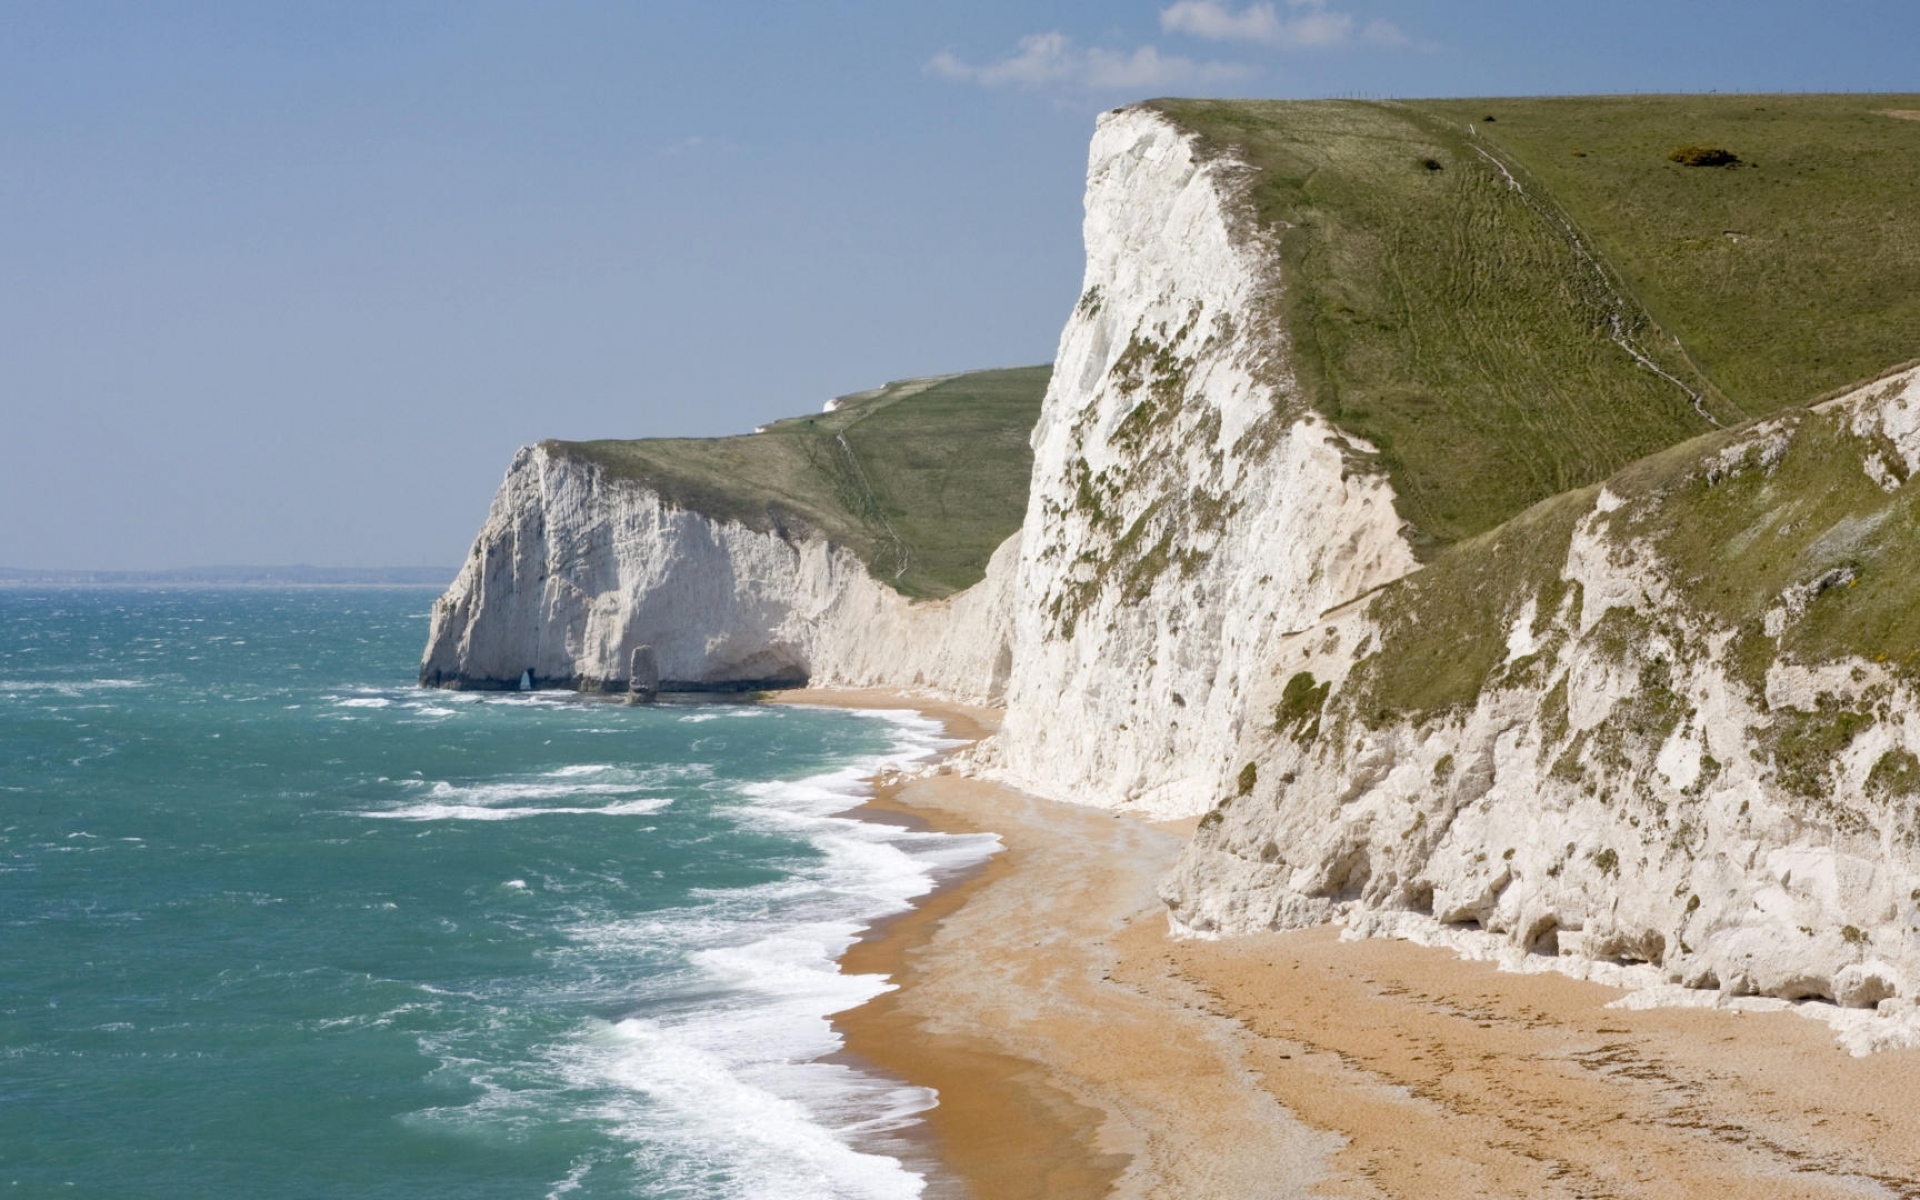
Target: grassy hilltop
(1469, 293)
(922, 478)
(1516, 300)
(1510, 299)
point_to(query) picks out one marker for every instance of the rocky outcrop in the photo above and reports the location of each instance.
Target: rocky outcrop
(1691, 739)
(1187, 507)
(585, 581)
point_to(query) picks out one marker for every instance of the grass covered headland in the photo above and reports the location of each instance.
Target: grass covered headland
(922, 478)
(1511, 298)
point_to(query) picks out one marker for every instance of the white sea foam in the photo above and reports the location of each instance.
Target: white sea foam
(67, 687)
(515, 799)
(571, 1183)
(717, 1083)
(777, 1145)
(541, 789)
(478, 812)
(743, 1064)
(728, 1077)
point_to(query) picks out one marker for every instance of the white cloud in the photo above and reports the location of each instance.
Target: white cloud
(1382, 32)
(1052, 60)
(1306, 23)
(1209, 19)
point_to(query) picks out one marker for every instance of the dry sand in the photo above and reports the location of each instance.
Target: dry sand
(1453, 1079)
(1080, 1052)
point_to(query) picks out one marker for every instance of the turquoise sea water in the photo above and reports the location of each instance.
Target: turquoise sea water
(274, 922)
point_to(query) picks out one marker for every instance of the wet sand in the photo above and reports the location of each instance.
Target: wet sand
(1000, 1125)
(1080, 1052)
(1063, 1072)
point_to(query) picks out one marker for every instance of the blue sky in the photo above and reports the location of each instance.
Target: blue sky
(288, 283)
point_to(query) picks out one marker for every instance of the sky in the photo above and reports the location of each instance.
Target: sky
(289, 283)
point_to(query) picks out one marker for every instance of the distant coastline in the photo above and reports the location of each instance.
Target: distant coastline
(232, 576)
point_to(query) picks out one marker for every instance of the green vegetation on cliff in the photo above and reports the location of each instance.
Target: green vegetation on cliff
(1802, 518)
(1511, 308)
(1796, 522)
(1791, 543)
(922, 478)
(1445, 626)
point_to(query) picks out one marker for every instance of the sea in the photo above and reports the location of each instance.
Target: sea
(275, 922)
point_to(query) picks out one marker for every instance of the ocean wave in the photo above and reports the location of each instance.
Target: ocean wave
(716, 1079)
(757, 1021)
(580, 769)
(558, 785)
(480, 812)
(775, 1144)
(488, 793)
(611, 790)
(67, 687)
(576, 1175)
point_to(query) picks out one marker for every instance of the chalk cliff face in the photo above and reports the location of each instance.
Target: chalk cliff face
(1187, 507)
(1666, 764)
(1656, 721)
(582, 580)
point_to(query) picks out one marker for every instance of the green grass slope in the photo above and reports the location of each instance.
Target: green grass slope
(1511, 309)
(1791, 274)
(1734, 522)
(922, 478)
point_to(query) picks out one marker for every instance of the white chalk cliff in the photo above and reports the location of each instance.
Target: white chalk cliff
(1187, 506)
(1198, 542)
(580, 579)
(1631, 785)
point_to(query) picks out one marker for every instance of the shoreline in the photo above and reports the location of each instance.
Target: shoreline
(1079, 1051)
(1064, 1070)
(1048, 1151)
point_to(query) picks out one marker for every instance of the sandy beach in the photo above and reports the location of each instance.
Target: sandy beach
(1079, 1051)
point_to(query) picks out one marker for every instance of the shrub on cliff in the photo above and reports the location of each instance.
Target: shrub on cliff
(1704, 156)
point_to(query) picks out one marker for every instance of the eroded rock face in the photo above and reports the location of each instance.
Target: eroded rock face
(1639, 780)
(577, 580)
(1187, 507)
